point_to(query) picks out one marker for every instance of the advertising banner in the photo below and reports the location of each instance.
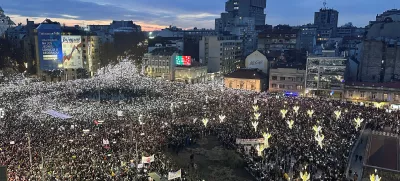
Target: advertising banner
(72, 51)
(249, 141)
(183, 60)
(50, 49)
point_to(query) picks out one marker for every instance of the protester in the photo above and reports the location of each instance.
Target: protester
(158, 116)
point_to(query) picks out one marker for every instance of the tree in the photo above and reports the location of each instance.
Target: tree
(11, 57)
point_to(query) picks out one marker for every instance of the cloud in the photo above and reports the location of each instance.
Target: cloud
(197, 16)
(69, 16)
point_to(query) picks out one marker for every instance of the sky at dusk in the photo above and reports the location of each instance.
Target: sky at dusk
(157, 14)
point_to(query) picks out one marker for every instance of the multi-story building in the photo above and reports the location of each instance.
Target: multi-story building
(325, 75)
(170, 32)
(380, 61)
(65, 53)
(163, 42)
(379, 94)
(327, 22)
(220, 53)
(287, 79)
(15, 35)
(308, 38)
(241, 8)
(191, 39)
(161, 62)
(195, 73)
(244, 28)
(124, 26)
(247, 79)
(278, 39)
(5, 23)
(240, 19)
(393, 14)
(348, 30)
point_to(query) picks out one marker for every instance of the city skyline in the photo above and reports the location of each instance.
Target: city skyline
(184, 14)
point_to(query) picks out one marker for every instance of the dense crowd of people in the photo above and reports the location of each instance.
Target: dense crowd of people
(97, 143)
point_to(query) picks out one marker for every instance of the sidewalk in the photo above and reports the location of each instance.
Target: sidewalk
(357, 165)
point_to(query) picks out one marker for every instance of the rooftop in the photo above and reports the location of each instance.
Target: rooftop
(394, 85)
(382, 152)
(165, 51)
(247, 74)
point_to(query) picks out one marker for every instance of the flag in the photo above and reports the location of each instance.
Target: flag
(174, 175)
(148, 159)
(95, 122)
(106, 142)
(12, 142)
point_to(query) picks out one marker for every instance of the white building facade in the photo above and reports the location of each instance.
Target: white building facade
(220, 54)
(257, 60)
(325, 76)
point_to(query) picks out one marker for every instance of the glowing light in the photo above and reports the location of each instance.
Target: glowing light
(260, 148)
(290, 124)
(310, 113)
(257, 115)
(305, 176)
(205, 121)
(358, 122)
(317, 129)
(221, 118)
(2, 113)
(338, 113)
(319, 138)
(374, 177)
(255, 124)
(266, 139)
(283, 112)
(296, 109)
(255, 108)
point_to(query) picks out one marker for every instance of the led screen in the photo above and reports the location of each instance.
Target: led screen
(183, 60)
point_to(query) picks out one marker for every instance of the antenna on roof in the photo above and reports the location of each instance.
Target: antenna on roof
(324, 3)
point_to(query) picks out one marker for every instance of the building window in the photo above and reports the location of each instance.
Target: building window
(230, 84)
(241, 84)
(385, 96)
(298, 79)
(274, 77)
(253, 87)
(282, 78)
(281, 86)
(299, 87)
(396, 97)
(362, 94)
(350, 93)
(373, 96)
(290, 87)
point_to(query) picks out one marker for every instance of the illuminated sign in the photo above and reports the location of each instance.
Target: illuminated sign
(50, 50)
(183, 60)
(72, 52)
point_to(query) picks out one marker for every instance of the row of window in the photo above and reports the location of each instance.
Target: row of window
(372, 95)
(241, 85)
(289, 87)
(293, 79)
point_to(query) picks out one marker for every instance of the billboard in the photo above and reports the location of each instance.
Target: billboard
(50, 49)
(72, 51)
(183, 60)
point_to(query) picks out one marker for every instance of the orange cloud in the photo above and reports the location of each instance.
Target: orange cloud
(71, 22)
